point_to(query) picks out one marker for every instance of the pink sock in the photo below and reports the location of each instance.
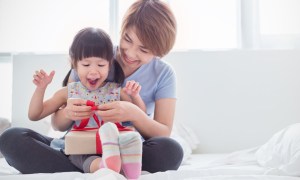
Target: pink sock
(109, 135)
(131, 154)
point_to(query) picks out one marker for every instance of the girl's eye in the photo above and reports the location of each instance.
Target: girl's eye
(101, 65)
(85, 65)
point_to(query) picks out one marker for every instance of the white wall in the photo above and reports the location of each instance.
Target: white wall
(237, 99)
(24, 66)
(232, 99)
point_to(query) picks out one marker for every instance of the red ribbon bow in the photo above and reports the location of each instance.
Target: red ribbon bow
(84, 123)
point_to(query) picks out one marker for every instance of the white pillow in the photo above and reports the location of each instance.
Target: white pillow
(186, 137)
(282, 151)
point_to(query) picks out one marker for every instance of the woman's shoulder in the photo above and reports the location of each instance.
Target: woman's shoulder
(162, 67)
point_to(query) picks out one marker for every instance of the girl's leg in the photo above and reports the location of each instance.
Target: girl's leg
(131, 154)
(110, 156)
(109, 135)
(87, 163)
(30, 152)
(161, 154)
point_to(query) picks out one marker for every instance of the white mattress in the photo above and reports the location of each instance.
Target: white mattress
(236, 166)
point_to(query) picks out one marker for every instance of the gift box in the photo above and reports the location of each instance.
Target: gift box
(82, 142)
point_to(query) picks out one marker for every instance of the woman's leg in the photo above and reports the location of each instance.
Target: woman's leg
(30, 152)
(161, 154)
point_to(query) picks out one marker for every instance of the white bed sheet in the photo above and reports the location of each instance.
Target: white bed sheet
(236, 166)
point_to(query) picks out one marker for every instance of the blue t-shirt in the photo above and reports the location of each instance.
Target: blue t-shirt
(157, 78)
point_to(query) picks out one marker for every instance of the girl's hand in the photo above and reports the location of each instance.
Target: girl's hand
(41, 79)
(76, 109)
(118, 111)
(132, 88)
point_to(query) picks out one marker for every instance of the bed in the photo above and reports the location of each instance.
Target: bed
(197, 166)
(277, 159)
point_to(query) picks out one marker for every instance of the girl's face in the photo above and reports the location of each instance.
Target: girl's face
(133, 53)
(92, 72)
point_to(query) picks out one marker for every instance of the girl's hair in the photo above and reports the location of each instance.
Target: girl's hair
(154, 23)
(66, 79)
(93, 42)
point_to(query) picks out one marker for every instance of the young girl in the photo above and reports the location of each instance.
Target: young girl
(91, 56)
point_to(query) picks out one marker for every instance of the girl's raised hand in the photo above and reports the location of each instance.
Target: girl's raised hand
(41, 79)
(132, 88)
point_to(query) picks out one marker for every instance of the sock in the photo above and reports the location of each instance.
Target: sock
(109, 135)
(131, 154)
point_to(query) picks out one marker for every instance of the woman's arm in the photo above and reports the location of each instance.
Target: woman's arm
(162, 122)
(161, 125)
(38, 108)
(59, 120)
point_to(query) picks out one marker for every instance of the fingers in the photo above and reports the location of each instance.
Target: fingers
(108, 115)
(133, 86)
(76, 115)
(52, 73)
(42, 75)
(105, 107)
(76, 101)
(76, 109)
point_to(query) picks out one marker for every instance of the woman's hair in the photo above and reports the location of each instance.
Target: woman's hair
(154, 23)
(93, 42)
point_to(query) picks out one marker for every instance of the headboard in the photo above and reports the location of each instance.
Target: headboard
(232, 99)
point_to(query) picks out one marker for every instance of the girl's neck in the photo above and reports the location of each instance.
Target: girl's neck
(102, 85)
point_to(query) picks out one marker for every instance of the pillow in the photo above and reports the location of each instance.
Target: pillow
(186, 137)
(282, 151)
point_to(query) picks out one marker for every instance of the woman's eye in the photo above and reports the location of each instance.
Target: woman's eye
(126, 39)
(143, 51)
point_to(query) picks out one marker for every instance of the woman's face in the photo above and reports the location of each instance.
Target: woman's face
(92, 72)
(133, 53)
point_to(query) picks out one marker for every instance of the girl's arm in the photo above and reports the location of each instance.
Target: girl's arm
(39, 109)
(75, 109)
(131, 93)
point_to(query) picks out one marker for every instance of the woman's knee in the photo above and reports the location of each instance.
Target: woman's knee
(161, 154)
(10, 138)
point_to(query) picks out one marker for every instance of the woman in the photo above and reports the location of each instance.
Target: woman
(148, 32)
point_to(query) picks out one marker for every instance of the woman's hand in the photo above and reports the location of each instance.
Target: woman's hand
(119, 111)
(76, 109)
